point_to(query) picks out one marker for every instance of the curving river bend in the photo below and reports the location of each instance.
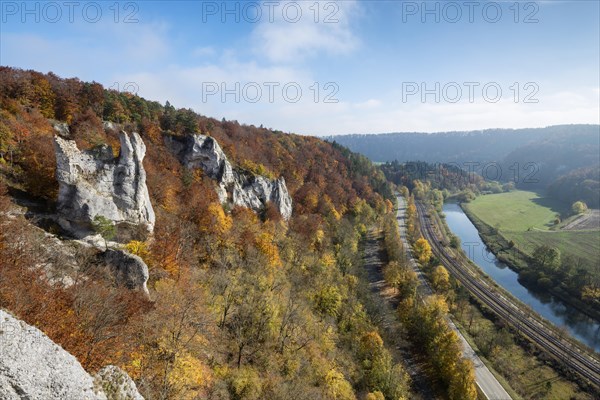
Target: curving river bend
(580, 326)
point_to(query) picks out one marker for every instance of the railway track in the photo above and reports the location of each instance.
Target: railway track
(510, 311)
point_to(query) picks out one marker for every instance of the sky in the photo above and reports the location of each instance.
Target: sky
(327, 67)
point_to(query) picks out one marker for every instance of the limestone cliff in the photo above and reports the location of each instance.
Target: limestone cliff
(94, 182)
(236, 187)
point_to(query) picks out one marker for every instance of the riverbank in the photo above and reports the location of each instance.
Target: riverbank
(529, 368)
(518, 261)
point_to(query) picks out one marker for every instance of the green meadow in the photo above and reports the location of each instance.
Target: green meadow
(528, 219)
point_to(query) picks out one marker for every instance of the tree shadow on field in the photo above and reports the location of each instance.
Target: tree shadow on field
(554, 205)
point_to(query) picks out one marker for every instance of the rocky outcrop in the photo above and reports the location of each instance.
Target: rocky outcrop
(62, 129)
(95, 183)
(255, 191)
(116, 384)
(128, 269)
(33, 367)
(236, 187)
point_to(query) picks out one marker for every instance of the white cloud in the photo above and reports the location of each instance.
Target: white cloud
(183, 87)
(189, 86)
(322, 27)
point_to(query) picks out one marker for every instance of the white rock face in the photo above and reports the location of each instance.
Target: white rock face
(33, 367)
(204, 152)
(236, 187)
(96, 183)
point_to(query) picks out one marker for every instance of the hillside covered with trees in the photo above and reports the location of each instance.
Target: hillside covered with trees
(242, 305)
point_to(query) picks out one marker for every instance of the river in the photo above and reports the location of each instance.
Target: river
(580, 326)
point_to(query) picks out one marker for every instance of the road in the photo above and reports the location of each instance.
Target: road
(513, 312)
(486, 381)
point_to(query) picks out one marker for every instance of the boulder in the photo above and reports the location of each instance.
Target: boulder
(234, 186)
(62, 129)
(116, 384)
(128, 269)
(94, 182)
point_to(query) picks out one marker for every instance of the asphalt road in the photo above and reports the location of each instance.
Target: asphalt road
(486, 381)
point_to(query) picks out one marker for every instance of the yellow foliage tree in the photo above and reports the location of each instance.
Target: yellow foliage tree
(318, 239)
(173, 340)
(328, 260)
(590, 292)
(215, 220)
(188, 376)
(435, 306)
(266, 245)
(462, 384)
(422, 250)
(389, 206)
(246, 384)
(140, 249)
(44, 97)
(392, 273)
(311, 200)
(326, 207)
(411, 210)
(371, 344)
(440, 279)
(338, 388)
(170, 202)
(377, 395)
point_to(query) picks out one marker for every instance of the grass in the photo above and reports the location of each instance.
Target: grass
(527, 218)
(584, 244)
(517, 210)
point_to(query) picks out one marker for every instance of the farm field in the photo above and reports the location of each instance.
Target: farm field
(528, 219)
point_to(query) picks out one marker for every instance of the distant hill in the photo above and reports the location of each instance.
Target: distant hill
(534, 158)
(581, 184)
(478, 146)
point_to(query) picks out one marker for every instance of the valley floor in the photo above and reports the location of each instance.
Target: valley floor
(514, 224)
(486, 381)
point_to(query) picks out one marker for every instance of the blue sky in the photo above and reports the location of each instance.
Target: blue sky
(361, 66)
